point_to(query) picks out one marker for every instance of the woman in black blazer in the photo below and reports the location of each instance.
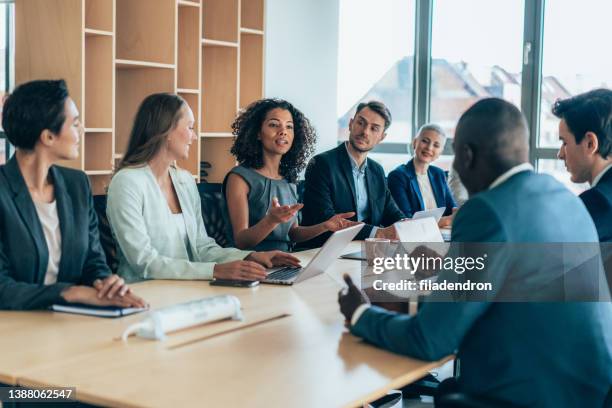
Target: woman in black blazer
(49, 245)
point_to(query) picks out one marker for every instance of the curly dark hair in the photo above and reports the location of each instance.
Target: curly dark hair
(248, 149)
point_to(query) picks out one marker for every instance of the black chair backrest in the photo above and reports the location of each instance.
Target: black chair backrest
(106, 236)
(213, 212)
(300, 190)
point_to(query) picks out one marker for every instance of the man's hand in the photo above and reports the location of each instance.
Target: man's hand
(339, 221)
(350, 299)
(269, 259)
(388, 233)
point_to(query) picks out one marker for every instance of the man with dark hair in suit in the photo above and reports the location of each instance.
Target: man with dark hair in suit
(528, 352)
(585, 131)
(344, 179)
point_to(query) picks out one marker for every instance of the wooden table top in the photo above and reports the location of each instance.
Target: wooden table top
(291, 349)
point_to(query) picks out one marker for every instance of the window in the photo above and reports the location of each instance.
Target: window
(476, 52)
(574, 60)
(375, 61)
(7, 65)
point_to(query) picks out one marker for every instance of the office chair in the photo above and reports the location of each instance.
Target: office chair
(106, 236)
(214, 212)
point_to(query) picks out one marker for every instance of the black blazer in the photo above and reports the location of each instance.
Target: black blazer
(329, 189)
(598, 200)
(23, 249)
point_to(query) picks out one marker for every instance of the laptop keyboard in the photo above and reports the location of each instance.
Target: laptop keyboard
(285, 273)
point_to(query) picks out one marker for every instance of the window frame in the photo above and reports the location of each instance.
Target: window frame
(8, 25)
(531, 80)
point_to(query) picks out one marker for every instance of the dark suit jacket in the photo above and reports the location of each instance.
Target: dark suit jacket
(598, 200)
(23, 248)
(542, 354)
(405, 189)
(330, 189)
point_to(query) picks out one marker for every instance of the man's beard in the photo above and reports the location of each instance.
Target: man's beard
(359, 149)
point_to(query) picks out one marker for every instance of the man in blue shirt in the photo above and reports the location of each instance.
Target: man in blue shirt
(528, 352)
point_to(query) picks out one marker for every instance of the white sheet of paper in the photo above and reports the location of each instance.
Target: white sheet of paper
(436, 213)
(419, 230)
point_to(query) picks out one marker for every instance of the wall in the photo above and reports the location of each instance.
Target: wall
(301, 60)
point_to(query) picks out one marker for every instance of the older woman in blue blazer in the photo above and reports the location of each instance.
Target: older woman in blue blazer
(417, 185)
(49, 246)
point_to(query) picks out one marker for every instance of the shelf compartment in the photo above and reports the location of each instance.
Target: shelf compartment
(192, 163)
(44, 50)
(251, 68)
(98, 152)
(220, 20)
(99, 71)
(216, 151)
(145, 32)
(252, 14)
(99, 15)
(99, 182)
(132, 86)
(189, 48)
(220, 82)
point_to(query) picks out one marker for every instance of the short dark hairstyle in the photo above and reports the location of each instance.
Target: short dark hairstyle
(496, 128)
(32, 108)
(379, 108)
(588, 112)
(248, 148)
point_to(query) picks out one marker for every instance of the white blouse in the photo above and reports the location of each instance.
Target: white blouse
(49, 220)
(426, 192)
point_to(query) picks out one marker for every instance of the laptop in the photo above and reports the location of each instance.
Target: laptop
(328, 253)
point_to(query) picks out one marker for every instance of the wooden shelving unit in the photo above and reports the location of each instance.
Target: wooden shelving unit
(114, 53)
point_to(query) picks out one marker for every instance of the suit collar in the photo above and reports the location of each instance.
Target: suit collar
(347, 170)
(605, 174)
(65, 213)
(27, 211)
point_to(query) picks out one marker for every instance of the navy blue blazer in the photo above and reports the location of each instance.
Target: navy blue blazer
(329, 189)
(598, 200)
(23, 248)
(405, 190)
(542, 354)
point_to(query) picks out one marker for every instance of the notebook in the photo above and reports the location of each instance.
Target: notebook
(100, 311)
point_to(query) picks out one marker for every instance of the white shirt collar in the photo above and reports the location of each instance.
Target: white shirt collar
(514, 170)
(600, 175)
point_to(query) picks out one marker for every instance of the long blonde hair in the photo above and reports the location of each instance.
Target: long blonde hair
(157, 116)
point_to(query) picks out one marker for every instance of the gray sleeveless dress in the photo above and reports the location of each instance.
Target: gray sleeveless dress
(261, 192)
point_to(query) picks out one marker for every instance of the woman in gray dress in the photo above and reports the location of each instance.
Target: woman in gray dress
(273, 143)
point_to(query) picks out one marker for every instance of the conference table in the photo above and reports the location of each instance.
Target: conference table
(291, 349)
